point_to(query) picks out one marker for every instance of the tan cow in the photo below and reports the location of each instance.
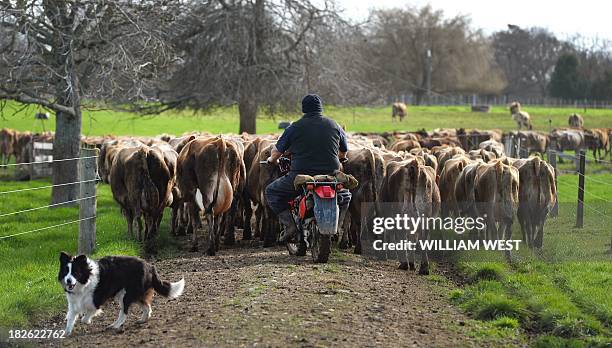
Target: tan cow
(521, 118)
(575, 121)
(537, 195)
(398, 110)
(208, 175)
(496, 189)
(411, 188)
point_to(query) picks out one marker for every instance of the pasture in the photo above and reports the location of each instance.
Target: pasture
(560, 297)
(358, 119)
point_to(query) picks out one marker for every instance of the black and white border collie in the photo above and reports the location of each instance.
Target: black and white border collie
(88, 284)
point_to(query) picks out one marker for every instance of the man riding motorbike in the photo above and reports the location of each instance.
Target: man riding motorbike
(317, 144)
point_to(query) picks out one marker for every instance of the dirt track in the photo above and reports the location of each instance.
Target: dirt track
(248, 296)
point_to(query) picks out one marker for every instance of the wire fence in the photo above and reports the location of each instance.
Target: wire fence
(89, 199)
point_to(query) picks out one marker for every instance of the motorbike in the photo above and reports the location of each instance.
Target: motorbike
(316, 212)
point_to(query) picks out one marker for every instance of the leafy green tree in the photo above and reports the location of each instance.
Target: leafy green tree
(602, 88)
(565, 81)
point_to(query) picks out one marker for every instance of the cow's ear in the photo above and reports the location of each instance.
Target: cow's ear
(64, 257)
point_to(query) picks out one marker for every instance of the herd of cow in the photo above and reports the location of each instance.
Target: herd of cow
(447, 171)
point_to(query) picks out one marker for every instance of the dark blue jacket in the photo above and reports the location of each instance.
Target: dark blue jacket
(314, 142)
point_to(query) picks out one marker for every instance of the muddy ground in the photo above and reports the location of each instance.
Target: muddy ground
(251, 296)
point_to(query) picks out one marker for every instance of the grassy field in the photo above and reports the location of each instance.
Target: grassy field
(376, 119)
(560, 295)
(558, 298)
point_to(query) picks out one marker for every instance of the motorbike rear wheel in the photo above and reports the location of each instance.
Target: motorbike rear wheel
(320, 246)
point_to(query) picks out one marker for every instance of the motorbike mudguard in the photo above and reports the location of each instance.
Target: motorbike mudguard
(326, 213)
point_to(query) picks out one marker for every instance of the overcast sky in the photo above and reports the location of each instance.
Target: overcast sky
(586, 17)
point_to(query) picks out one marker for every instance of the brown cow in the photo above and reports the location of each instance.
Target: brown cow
(141, 183)
(233, 217)
(530, 141)
(399, 110)
(464, 190)
(446, 153)
(7, 143)
(208, 175)
(493, 146)
(411, 187)
(108, 151)
(597, 139)
(405, 145)
(575, 121)
(537, 195)
(486, 156)
(496, 189)
(22, 147)
(448, 178)
(367, 166)
(259, 177)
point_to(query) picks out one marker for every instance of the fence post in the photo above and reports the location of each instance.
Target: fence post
(87, 207)
(552, 160)
(580, 207)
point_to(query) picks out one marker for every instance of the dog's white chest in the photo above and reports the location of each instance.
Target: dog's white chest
(80, 303)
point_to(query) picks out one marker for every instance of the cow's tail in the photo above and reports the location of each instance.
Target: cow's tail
(499, 170)
(149, 196)
(165, 288)
(374, 179)
(536, 171)
(222, 149)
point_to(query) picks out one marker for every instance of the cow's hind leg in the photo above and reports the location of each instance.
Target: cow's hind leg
(247, 214)
(210, 221)
(194, 215)
(230, 229)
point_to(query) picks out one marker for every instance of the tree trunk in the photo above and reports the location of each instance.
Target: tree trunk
(66, 144)
(247, 108)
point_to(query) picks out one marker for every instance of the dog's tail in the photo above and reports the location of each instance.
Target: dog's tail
(167, 289)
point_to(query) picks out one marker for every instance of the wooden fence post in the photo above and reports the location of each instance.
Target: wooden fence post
(87, 207)
(580, 207)
(552, 160)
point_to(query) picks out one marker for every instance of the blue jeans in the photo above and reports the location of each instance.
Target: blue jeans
(280, 192)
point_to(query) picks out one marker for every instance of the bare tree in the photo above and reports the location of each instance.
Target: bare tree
(243, 51)
(335, 65)
(57, 53)
(527, 58)
(405, 43)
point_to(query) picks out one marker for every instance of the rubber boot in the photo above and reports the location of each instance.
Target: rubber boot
(290, 230)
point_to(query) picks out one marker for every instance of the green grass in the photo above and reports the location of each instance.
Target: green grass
(562, 294)
(29, 263)
(370, 119)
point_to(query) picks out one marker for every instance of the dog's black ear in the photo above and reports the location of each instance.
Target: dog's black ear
(81, 258)
(64, 258)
